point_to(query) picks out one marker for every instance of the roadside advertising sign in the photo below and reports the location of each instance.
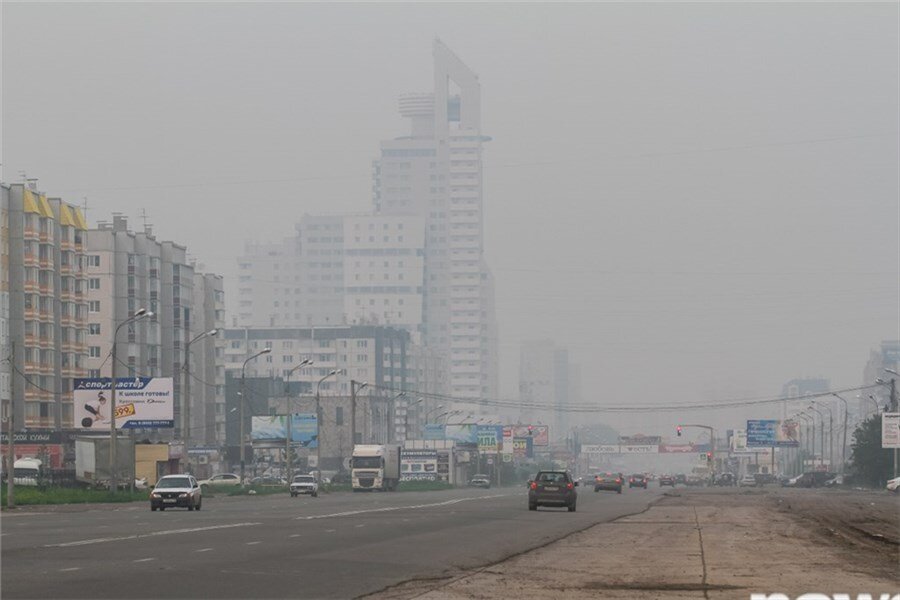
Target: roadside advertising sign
(145, 402)
(739, 441)
(890, 430)
(507, 448)
(434, 431)
(462, 433)
(540, 434)
(490, 437)
(523, 447)
(761, 432)
(640, 440)
(418, 465)
(787, 434)
(273, 429)
(639, 449)
(600, 449)
(677, 448)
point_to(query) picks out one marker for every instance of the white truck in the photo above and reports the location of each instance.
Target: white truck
(92, 461)
(375, 467)
(27, 471)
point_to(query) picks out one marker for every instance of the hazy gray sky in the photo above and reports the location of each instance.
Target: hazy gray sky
(699, 200)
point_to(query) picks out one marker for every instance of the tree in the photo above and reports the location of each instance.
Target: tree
(871, 463)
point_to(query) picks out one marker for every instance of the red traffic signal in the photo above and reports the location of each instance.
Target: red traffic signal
(678, 430)
(531, 430)
(709, 457)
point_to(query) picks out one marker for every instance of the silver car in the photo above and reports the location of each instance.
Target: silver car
(304, 484)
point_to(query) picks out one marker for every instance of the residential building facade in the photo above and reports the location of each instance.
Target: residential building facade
(47, 308)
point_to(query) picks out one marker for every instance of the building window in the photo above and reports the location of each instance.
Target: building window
(94, 329)
(94, 283)
(338, 415)
(94, 351)
(94, 306)
(93, 260)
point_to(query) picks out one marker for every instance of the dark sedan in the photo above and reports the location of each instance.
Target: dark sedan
(666, 480)
(552, 488)
(608, 481)
(637, 481)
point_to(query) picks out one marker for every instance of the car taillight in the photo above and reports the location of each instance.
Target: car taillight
(632, 480)
(618, 481)
(533, 485)
(570, 486)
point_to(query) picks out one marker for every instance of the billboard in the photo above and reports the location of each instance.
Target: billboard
(434, 431)
(640, 440)
(273, 429)
(490, 438)
(462, 433)
(639, 448)
(418, 465)
(539, 433)
(523, 447)
(599, 448)
(769, 433)
(890, 430)
(140, 402)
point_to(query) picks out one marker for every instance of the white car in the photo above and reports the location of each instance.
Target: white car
(304, 484)
(893, 485)
(181, 491)
(223, 479)
(747, 481)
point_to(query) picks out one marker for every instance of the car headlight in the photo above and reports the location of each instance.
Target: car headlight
(155, 495)
(183, 495)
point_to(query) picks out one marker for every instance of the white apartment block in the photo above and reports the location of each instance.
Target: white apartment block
(547, 378)
(130, 270)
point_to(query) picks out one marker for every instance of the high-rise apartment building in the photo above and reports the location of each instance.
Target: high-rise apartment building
(47, 309)
(130, 270)
(547, 378)
(206, 373)
(435, 172)
(887, 356)
(416, 263)
(5, 368)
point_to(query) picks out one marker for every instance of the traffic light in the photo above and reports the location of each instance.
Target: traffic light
(531, 430)
(709, 457)
(678, 430)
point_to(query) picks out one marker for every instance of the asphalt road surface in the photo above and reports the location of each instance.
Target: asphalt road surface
(334, 546)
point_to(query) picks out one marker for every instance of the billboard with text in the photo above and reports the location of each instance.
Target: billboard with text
(141, 402)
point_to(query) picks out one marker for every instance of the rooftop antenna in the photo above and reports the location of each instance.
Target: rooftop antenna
(84, 207)
(148, 229)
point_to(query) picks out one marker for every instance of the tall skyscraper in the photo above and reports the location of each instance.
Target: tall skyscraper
(435, 173)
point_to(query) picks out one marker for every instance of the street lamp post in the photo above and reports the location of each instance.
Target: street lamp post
(894, 409)
(821, 432)
(844, 436)
(355, 386)
(712, 442)
(288, 462)
(830, 433)
(243, 403)
(319, 426)
(186, 368)
(113, 475)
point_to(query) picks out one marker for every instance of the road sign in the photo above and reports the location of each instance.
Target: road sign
(761, 432)
(890, 430)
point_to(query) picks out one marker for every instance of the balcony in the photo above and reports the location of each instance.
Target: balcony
(67, 245)
(46, 368)
(66, 269)
(46, 263)
(32, 367)
(31, 314)
(32, 234)
(31, 393)
(45, 342)
(31, 260)
(31, 287)
(30, 339)
(45, 237)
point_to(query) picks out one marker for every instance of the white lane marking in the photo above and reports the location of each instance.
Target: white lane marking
(330, 530)
(360, 525)
(294, 535)
(143, 560)
(350, 513)
(203, 550)
(253, 543)
(70, 569)
(145, 535)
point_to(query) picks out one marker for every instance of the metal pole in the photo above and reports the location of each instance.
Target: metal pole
(318, 436)
(242, 400)
(894, 409)
(844, 436)
(113, 480)
(186, 426)
(11, 448)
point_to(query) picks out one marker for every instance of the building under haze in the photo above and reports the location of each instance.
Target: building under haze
(547, 378)
(44, 294)
(887, 356)
(129, 270)
(417, 262)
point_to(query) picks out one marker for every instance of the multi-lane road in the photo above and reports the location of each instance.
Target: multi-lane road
(337, 545)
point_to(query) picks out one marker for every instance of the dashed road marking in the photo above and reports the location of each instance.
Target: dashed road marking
(203, 550)
(143, 560)
(360, 525)
(253, 543)
(70, 569)
(330, 530)
(351, 513)
(294, 535)
(146, 535)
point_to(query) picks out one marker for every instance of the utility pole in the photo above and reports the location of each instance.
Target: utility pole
(11, 447)
(894, 409)
(355, 386)
(844, 440)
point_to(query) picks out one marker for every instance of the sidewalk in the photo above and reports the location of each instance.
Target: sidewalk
(703, 544)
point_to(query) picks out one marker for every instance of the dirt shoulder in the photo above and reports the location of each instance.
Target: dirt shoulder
(706, 544)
